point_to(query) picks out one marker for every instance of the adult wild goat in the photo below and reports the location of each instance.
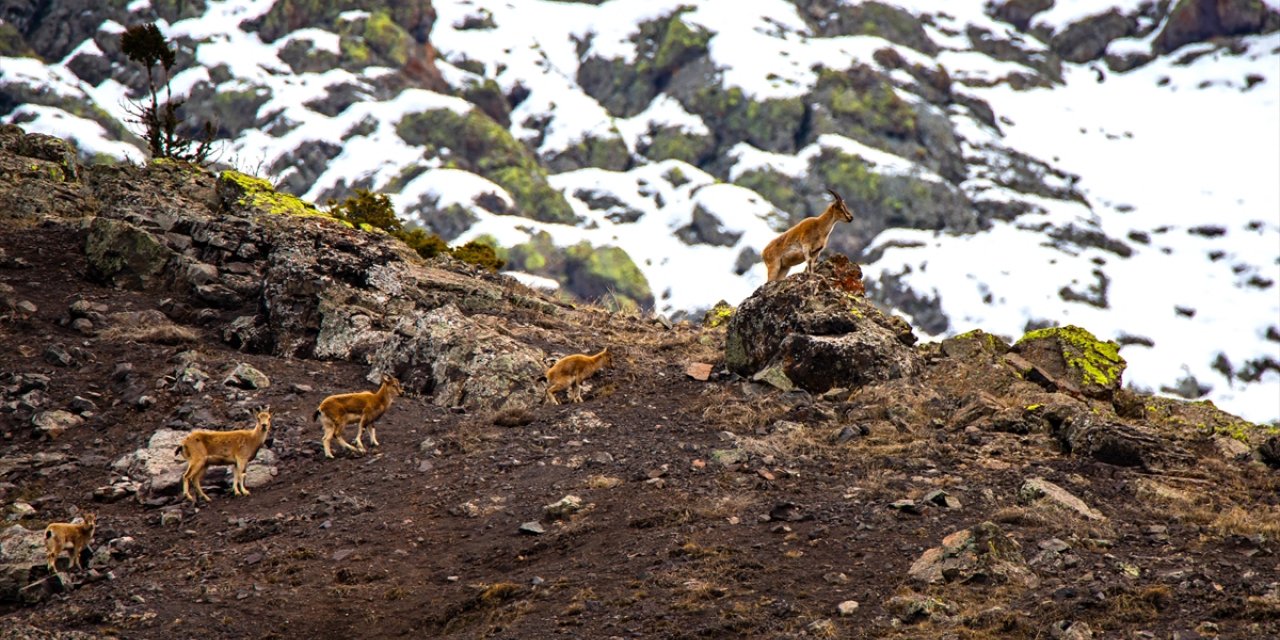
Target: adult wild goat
(202, 448)
(569, 372)
(805, 241)
(337, 410)
(61, 535)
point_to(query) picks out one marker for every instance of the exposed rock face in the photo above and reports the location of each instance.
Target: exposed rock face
(1088, 39)
(158, 468)
(831, 338)
(1199, 20)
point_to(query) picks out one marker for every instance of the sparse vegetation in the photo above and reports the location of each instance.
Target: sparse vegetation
(372, 211)
(159, 119)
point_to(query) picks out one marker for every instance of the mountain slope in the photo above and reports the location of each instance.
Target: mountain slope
(1011, 167)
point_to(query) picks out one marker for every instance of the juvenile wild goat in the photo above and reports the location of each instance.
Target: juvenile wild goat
(202, 448)
(569, 372)
(805, 241)
(61, 535)
(337, 410)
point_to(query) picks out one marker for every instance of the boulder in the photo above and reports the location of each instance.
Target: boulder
(1200, 20)
(157, 466)
(22, 565)
(246, 376)
(1038, 488)
(818, 333)
(125, 255)
(52, 423)
(1074, 359)
(1088, 39)
(981, 554)
(462, 361)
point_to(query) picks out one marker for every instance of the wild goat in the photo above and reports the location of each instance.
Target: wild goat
(61, 535)
(337, 410)
(202, 448)
(805, 241)
(569, 372)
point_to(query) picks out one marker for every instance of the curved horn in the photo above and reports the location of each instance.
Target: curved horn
(834, 195)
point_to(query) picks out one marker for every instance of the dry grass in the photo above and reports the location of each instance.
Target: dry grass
(1259, 520)
(169, 334)
(1141, 605)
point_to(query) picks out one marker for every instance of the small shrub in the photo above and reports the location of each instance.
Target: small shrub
(367, 208)
(480, 254)
(428, 245)
(159, 120)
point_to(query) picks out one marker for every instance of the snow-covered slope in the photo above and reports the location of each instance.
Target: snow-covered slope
(1158, 225)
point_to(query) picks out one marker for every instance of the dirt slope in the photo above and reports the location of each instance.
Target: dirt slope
(722, 509)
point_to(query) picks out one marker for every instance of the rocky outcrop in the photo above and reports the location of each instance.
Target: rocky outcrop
(1199, 20)
(819, 334)
(22, 564)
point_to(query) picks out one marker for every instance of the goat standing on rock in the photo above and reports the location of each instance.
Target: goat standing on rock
(202, 448)
(805, 241)
(337, 410)
(569, 372)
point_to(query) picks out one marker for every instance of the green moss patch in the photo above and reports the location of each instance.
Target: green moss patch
(256, 193)
(1095, 365)
(475, 142)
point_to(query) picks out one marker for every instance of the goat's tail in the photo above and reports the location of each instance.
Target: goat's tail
(180, 451)
(315, 416)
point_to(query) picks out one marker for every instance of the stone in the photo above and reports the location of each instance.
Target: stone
(982, 553)
(1037, 488)
(698, 371)
(1230, 448)
(1269, 451)
(847, 608)
(52, 424)
(57, 354)
(83, 326)
(22, 558)
(563, 507)
(81, 405)
(1075, 359)
(775, 377)
(156, 467)
(19, 510)
(942, 499)
(911, 608)
(1067, 630)
(818, 334)
(124, 254)
(245, 376)
(533, 528)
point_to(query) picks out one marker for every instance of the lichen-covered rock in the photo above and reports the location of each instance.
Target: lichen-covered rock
(157, 466)
(820, 334)
(125, 255)
(981, 554)
(461, 361)
(243, 193)
(867, 18)
(1074, 357)
(1018, 12)
(973, 345)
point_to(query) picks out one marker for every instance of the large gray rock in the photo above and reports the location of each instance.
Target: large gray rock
(124, 254)
(831, 338)
(53, 423)
(1199, 20)
(22, 564)
(462, 361)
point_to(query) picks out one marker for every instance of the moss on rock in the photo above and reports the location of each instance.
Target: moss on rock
(245, 191)
(475, 142)
(1084, 360)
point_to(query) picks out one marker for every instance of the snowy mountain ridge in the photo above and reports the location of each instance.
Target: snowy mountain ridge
(1138, 202)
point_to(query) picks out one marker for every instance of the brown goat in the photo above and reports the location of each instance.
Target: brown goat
(59, 536)
(569, 372)
(337, 410)
(202, 448)
(805, 241)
